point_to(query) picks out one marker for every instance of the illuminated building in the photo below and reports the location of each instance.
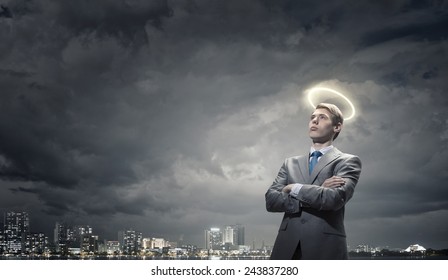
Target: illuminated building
(362, 248)
(238, 234)
(151, 244)
(82, 230)
(159, 243)
(61, 238)
(131, 241)
(112, 247)
(88, 244)
(16, 228)
(2, 240)
(213, 239)
(229, 238)
(228, 235)
(36, 243)
(82, 237)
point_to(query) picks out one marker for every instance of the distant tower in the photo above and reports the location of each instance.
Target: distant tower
(88, 243)
(83, 230)
(82, 237)
(36, 243)
(213, 239)
(2, 239)
(131, 241)
(228, 236)
(238, 234)
(16, 229)
(61, 238)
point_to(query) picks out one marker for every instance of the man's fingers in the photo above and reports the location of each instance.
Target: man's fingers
(333, 182)
(337, 179)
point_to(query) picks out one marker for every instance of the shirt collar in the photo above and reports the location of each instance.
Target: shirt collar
(323, 151)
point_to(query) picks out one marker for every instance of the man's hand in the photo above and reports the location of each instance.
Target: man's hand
(333, 182)
(288, 188)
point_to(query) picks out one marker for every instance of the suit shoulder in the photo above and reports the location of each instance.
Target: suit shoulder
(294, 158)
(354, 159)
(346, 155)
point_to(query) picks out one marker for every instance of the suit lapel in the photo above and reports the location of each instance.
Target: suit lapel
(304, 168)
(326, 159)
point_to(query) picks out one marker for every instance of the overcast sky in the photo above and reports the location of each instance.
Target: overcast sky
(170, 117)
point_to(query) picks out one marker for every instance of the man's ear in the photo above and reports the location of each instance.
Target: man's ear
(337, 127)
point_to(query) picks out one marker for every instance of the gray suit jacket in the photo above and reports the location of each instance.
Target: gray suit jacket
(316, 217)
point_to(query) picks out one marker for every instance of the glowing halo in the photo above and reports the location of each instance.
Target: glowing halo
(315, 89)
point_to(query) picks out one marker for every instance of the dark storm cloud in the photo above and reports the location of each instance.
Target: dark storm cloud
(123, 19)
(5, 12)
(170, 117)
(432, 28)
(62, 116)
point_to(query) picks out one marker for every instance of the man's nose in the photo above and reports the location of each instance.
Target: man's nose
(315, 120)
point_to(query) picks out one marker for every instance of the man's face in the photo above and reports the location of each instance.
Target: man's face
(321, 128)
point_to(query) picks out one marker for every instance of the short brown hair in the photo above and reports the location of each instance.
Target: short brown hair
(335, 114)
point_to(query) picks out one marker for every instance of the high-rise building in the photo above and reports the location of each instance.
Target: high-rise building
(213, 239)
(89, 244)
(238, 234)
(160, 243)
(131, 241)
(155, 243)
(112, 247)
(17, 227)
(36, 243)
(82, 230)
(234, 234)
(79, 239)
(61, 238)
(362, 248)
(83, 238)
(228, 235)
(2, 239)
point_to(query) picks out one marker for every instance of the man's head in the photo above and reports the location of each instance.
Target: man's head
(325, 123)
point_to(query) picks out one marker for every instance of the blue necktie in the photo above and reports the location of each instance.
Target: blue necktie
(314, 156)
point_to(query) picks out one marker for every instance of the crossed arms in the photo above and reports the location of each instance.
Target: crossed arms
(333, 194)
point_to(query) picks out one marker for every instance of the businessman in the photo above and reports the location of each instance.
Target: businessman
(312, 191)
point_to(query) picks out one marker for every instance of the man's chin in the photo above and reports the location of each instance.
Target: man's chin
(320, 140)
(314, 135)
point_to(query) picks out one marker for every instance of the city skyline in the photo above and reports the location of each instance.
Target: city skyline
(71, 232)
(168, 116)
(16, 227)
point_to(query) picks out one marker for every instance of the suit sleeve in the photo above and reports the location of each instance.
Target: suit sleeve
(276, 199)
(322, 198)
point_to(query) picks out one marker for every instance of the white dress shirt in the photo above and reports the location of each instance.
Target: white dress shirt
(296, 188)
